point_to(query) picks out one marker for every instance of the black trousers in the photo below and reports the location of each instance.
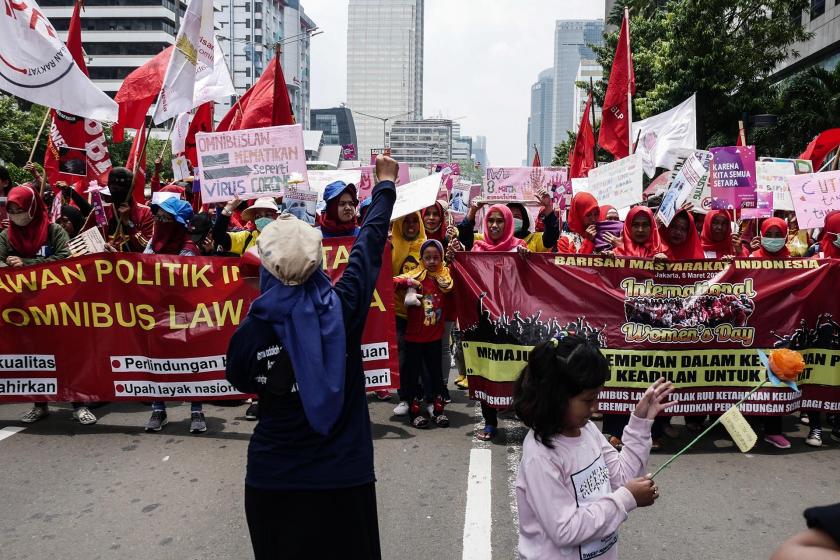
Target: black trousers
(292, 525)
(422, 363)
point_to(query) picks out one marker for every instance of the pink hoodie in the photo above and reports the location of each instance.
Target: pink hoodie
(572, 498)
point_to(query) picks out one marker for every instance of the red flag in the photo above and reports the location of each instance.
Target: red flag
(202, 121)
(615, 115)
(821, 146)
(262, 105)
(536, 162)
(140, 174)
(77, 151)
(582, 158)
(137, 93)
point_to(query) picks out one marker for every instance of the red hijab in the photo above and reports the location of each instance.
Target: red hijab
(27, 240)
(630, 248)
(761, 252)
(440, 234)
(605, 209)
(720, 248)
(582, 204)
(507, 242)
(330, 222)
(832, 225)
(690, 248)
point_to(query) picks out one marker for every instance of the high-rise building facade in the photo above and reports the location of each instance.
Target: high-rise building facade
(421, 142)
(336, 124)
(588, 70)
(384, 67)
(479, 151)
(541, 123)
(118, 36)
(572, 40)
(823, 48)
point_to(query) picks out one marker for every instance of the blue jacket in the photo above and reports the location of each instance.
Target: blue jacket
(285, 452)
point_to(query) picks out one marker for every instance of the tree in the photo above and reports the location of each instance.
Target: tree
(469, 171)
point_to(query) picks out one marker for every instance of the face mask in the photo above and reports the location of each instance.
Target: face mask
(517, 224)
(262, 222)
(20, 220)
(774, 245)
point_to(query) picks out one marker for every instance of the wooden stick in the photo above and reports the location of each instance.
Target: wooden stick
(38, 137)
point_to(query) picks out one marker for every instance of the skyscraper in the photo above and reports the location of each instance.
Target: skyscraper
(541, 123)
(571, 45)
(479, 150)
(384, 67)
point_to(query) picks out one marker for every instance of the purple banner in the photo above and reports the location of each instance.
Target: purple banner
(732, 177)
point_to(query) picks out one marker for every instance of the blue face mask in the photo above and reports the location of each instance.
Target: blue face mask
(517, 224)
(262, 222)
(773, 244)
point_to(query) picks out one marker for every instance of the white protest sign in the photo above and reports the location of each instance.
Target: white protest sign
(180, 168)
(688, 179)
(617, 184)
(250, 163)
(416, 195)
(771, 177)
(318, 180)
(580, 184)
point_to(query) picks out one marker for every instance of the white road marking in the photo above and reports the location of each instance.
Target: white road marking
(9, 431)
(478, 516)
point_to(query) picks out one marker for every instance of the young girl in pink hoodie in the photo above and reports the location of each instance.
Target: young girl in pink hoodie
(573, 489)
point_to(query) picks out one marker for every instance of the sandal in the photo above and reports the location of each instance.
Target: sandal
(420, 422)
(442, 421)
(486, 434)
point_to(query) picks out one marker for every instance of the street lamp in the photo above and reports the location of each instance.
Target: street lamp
(384, 121)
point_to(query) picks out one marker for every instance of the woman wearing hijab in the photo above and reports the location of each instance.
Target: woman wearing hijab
(310, 461)
(680, 238)
(639, 238)
(129, 222)
(717, 239)
(608, 214)
(339, 217)
(539, 242)
(583, 215)
(407, 237)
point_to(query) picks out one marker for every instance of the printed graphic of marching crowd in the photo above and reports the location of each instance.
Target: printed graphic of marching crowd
(564, 294)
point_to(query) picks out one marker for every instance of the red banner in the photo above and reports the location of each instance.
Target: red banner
(77, 151)
(696, 323)
(113, 327)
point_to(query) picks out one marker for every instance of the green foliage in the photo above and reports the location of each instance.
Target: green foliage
(19, 126)
(469, 172)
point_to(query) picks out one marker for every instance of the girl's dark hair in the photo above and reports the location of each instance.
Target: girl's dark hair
(557, 370)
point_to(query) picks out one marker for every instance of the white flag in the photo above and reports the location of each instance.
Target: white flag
(194, 53)
(665, 132)
(179, 133)
(35, 65)
(216, 84)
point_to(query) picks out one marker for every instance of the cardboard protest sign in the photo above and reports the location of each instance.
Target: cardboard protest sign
(318, 180)
(416, 195)
(687, 181)
(617, 184)
(180, 168)
(521, 184)
(814, 196)
(250, 163)
(763, 207)
(732, 176)
(301, 203)
(771, 177)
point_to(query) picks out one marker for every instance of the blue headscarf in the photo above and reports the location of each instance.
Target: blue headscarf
(309, 323)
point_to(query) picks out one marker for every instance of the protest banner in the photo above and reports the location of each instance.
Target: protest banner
(250, 163)
(696, 323)
(521, 184)
(771, 177)
(732, 176)
(763, 207)
(662, 136)
(301, 202)
(110, 327)
(689, 180)
(814, 196)
(617, 184)
(416, 195)
(348, 152)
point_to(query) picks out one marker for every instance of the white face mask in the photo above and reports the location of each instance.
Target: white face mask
(20, 220)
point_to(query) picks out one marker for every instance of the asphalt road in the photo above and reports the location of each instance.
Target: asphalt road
(112, 491)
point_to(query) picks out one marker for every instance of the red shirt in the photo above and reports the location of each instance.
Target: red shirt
(426, 322)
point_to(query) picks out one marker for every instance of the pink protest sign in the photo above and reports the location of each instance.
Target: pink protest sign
(814, 196)
(521, 184)
(763, 207)
(732, 176)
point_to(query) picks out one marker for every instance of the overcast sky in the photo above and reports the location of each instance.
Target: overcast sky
(481, 58)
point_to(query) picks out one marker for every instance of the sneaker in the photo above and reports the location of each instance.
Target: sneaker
(36, 413)
(804, 418)
(814, 438)
(383, 395)
(442, 421)
(157, 421)
(84, 416)
(197, 423)
(778, 440)
(401, 409)
(420, 422)
(253, 408)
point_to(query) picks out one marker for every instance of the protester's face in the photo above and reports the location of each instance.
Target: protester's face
(264, 213)
(346, 208)
(640, 228)
(612, 215)
(411, 227)
(720, 225)
(517, 213)
(431, 259)
(67, 225)
(581, 407)
(591, 218)
(495, 226)
(431, 218)
(678, 230)
(163, 217)
(774, 232)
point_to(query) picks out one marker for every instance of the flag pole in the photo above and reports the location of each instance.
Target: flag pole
(38, 136)
(592, 116)
(742, 133)
(629, 93)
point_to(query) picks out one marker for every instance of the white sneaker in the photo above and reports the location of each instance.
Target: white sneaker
(35, 414)
(84, 416)
(401, 409)
(814, 438)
